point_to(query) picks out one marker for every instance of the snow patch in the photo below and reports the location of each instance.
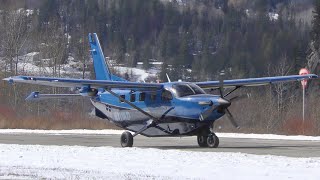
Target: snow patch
(273, 16)
(77, 162)
(138, 75)
(31, 64)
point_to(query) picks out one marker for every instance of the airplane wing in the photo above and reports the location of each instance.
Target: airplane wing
(254, 81)
(67, 82)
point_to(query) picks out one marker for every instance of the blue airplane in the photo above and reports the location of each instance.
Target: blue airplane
(153, 109)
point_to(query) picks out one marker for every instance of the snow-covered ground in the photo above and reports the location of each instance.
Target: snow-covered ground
(77, 162)
(111, 131)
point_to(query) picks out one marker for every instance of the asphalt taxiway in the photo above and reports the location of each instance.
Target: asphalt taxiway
(291, 148)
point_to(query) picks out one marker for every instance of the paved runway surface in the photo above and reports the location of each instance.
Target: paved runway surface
(252, 146)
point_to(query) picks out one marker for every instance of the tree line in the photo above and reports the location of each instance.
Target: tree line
(195, 40)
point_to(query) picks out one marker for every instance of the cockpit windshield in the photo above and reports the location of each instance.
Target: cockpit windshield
(182, 90)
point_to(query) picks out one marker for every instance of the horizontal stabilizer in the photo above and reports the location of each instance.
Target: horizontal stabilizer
(36, 96)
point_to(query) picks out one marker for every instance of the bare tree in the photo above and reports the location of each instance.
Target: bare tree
(81, 48)
(53, 46)
(15, 35)
(281, 95)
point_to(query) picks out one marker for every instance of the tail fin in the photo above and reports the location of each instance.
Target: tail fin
(100, 67)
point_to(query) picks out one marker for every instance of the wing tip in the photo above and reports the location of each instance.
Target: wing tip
(7, 79)
(13, 79)
(314, 76)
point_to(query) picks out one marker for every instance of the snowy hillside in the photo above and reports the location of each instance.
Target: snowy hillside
(30, 64)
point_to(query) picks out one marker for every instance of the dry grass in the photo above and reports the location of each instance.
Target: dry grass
(57, 124)
(298, 127)
(27, 116)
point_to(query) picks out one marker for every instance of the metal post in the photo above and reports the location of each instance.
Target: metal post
(303, 106)
(303, 71)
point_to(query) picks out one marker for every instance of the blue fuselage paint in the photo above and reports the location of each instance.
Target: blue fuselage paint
(181, 113)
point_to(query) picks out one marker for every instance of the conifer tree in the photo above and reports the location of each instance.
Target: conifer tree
(316, 24)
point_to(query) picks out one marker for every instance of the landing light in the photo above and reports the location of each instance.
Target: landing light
(205, 103)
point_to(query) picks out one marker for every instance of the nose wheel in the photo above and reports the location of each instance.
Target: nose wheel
(207, 138)
(211, 140)
(126, 139)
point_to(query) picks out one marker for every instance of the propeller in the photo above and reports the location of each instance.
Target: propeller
(229, 115)
(223, 104)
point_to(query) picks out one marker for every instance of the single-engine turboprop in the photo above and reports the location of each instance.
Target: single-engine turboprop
(153, 109)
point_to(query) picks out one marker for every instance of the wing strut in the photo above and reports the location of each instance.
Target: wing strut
(150, 123)
(237, 87)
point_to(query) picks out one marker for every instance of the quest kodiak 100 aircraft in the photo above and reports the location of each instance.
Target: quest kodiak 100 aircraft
(153, 109)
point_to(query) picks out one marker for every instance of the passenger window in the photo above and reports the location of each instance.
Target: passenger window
(166, 95)
(132, 97)
(122, 96)
(142, 97)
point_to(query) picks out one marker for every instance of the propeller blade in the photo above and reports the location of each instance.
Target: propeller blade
(221, 87)
(232, 120)
(221, 83)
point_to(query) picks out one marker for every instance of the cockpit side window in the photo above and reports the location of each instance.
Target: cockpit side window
(166, 95)
(197, 89)
(182, 90)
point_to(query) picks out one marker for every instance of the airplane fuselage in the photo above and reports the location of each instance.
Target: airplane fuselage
(177, 110)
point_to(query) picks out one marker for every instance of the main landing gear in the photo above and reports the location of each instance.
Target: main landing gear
(126, 139)
(208, 138)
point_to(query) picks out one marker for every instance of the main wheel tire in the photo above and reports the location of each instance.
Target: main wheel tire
(126, 139)
(202, 141)
(212, 141)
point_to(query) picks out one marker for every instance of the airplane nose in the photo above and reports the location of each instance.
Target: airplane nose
(224, 102)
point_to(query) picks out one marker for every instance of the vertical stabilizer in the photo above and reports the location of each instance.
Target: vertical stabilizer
(100, 67)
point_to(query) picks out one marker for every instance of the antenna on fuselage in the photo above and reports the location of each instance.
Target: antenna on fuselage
(168, 77)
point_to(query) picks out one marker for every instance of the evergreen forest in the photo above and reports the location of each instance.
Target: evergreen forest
(194, 40)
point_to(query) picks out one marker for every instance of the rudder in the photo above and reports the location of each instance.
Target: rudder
(101, 69)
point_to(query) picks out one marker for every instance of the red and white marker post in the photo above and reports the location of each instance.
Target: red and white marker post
(303, 71)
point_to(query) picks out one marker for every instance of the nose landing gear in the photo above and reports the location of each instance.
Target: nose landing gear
(207, 138)
(212, 141)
